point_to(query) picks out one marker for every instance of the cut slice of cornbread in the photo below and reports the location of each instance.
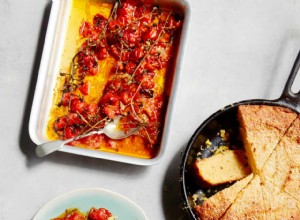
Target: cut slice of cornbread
(263, 200)
(276, 168)
(278, 204)
(249, 203)
(261, 128)
(283, 166)
(214, 207)
(228, 166)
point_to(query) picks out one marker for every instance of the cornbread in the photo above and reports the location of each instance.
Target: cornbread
(292, 183)
(214, 207)
(228, 166)
(283, 167)
(278, 204)
(263, 200)
(261, 129)
(248, 204)
(271, 136)
(277, 167)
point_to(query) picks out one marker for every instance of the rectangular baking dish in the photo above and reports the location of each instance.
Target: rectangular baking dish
(49, 69)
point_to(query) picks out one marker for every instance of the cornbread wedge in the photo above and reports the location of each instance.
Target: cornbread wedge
(228, 166)
(282, 172)
(215, 206)
(276, 169)
(278, 204)
(263, 200)
(291, 143)
(283, 166)
(249, 203)
(261, 128)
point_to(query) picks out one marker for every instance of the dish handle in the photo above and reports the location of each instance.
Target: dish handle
(288, 97)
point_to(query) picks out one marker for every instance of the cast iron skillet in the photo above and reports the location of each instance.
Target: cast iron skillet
(210, 129)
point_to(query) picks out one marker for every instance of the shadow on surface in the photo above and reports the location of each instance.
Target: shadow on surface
(25, 143)
(172, 199)
(28, 147)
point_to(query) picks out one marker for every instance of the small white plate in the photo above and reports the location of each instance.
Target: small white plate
(85, 199)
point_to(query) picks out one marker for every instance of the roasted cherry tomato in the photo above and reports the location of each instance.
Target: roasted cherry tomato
(85, 88)
(70, 132)
(99, 214)
(85, 29)
(78, 106)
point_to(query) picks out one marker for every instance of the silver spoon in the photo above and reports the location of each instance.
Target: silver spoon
(110, 130)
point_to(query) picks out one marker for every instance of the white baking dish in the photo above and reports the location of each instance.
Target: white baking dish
(49, 69)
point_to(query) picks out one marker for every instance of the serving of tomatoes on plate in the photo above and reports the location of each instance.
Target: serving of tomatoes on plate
(93, 214)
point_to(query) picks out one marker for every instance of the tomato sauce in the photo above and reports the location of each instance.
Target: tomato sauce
(122, 64)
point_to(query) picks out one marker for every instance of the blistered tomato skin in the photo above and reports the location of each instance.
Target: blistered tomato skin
(139, 38)
(99, 214)
(85, 88)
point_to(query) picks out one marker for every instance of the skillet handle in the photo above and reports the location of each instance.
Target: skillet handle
(288, 97)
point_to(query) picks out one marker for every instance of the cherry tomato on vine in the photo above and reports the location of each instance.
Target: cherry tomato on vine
(85, 88)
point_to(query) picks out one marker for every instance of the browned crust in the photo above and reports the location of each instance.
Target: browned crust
(261, 128)
(214, 207)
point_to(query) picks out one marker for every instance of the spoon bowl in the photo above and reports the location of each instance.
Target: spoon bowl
(110, 129)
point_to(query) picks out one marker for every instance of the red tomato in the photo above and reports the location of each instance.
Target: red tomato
(60, 123)
(75, 216)
(124, 96)
(87, 63)
(110, 98)
(85, 29)
(65, 100)
(115, 51)
(99, 21)
(137, 54)
(92, 109)
(78, 106)
(85, 88)
(74, 119)
(99, 214)
(151, 34)
(111, 110)
(125, 56)
(93, 70)
(130, 67)
(126, 13)
(112, 24)
(115, 85)
(101, 53)
(132, 37)
(70, 132)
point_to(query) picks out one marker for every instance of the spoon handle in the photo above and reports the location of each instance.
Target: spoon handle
(49, 147)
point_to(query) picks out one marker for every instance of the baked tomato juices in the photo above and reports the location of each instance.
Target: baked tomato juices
(118, 59)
